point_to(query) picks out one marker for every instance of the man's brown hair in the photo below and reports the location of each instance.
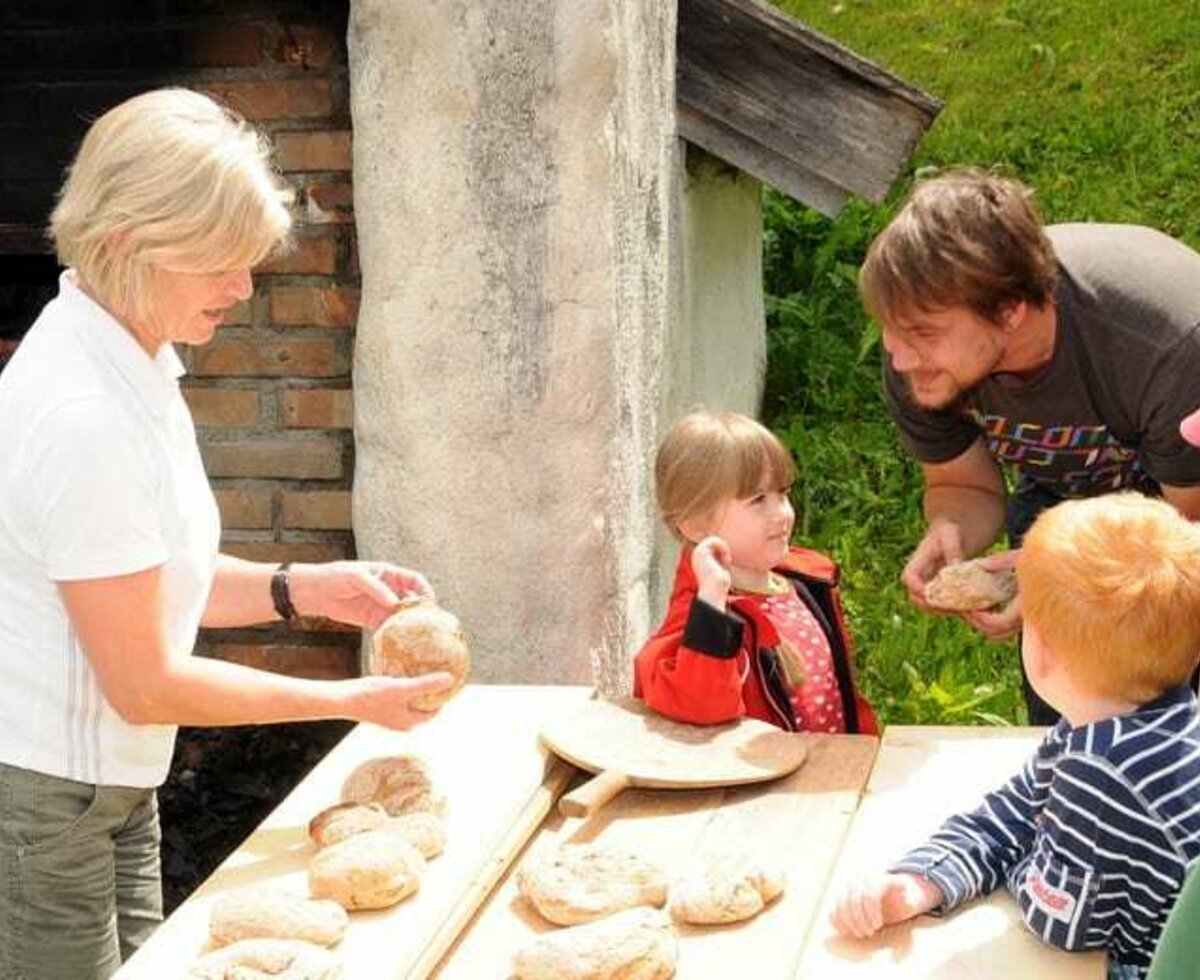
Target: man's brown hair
(966, 238)
(1112, 586)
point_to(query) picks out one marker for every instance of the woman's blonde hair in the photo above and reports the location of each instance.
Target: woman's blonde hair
(709, 458)
(966, 238)
(171, 180)
(1112, 586)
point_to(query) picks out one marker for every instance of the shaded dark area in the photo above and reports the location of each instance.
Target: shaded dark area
(223, 783)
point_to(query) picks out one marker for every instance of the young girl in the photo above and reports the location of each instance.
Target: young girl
(754, 626)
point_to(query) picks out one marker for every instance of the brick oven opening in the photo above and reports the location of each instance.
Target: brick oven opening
(27, 283)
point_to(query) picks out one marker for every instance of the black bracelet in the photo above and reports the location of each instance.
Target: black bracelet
(281, 593)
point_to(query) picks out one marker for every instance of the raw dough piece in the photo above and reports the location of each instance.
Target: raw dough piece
(266, 913)
(400, 784)
(372, 870)
(421, 637)
(966, 585)
(719, 888)
(576, 883)
(335, 823)
(268, 959)
(637, 944)
(344, 820)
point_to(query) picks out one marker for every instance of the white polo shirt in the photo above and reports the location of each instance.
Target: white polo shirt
(100, 475)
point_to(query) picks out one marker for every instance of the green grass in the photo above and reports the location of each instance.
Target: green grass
(1095, 104)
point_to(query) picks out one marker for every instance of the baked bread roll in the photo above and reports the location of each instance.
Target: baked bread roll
(967, 585)
(372, 870)
(344, 820)
(400, 784)
(421, 637)
(576, 883)
(720, 888)
(268, 959)
(266, 913)
(637, 944)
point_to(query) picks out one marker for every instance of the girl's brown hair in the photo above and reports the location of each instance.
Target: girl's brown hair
(708, 458)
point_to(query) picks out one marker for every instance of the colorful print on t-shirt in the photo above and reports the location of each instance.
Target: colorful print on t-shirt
(1080, 459)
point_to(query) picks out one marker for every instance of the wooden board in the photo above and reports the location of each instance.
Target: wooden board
(758, 89)
(923, 775)
(628, 744)
(484, 755)
(797, 821)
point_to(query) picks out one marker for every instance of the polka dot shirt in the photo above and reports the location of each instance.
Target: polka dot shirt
(817, 700)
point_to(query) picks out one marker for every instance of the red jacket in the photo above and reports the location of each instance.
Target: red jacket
(706, 667)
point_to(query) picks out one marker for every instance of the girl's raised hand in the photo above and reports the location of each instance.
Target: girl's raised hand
(711, 559)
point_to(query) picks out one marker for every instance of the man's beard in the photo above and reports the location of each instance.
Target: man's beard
(951, 403)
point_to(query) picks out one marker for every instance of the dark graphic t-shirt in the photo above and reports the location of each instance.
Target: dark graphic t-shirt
(1104, 414)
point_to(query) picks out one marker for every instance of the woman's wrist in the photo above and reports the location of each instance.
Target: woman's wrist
(303, 589)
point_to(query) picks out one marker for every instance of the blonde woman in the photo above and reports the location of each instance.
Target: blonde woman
(109, 535)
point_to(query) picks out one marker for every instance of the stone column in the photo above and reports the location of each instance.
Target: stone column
(513, 163)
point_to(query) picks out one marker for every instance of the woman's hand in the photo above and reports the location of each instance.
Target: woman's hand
(386, 701)
(711, 559)
(359, 593)
(866, 906)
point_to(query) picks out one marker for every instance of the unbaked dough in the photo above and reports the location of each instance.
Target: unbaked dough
(574, 883)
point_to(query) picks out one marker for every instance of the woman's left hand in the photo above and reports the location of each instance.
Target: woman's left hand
(359, 593)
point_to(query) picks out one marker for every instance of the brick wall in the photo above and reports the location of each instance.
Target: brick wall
(271, 394)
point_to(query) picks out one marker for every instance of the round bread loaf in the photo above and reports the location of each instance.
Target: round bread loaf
(268, 959)
(421, 637)
(344, 820)
(967, 586)
(372, 870)
(637, 944)
(576, 883)
(266, 913)
(335, 823)
(720, 888)
(398, 783)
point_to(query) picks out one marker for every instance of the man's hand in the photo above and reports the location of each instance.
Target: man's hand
(866, 906)
(711, 560)
(1002, 623)
(359, 593)
(941, 546)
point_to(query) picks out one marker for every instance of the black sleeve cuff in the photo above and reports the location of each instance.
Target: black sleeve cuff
(711, 631)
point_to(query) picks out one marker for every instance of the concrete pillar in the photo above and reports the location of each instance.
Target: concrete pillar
(716, 346)
(513, 169)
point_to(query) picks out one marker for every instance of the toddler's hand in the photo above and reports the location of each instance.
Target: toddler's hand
(710, 561)
(866, 906)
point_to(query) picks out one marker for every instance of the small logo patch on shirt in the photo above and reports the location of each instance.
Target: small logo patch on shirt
(1055, 902)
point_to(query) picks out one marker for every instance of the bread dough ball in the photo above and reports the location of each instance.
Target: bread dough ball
(372, 870)
(421, 637)
(423, 830)
(575, 883)
(636, 944)
(335, 823)
(719, 888)
(266, 913)
(268, 959)
(344, 820)
(400, 784)
(967, 585)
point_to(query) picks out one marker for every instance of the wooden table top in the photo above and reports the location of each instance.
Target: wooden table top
(921, 776)
(855, 804)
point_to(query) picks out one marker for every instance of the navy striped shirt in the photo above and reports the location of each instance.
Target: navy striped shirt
(1093, 837)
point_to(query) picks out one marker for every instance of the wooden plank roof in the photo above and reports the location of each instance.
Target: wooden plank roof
(798, 111)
